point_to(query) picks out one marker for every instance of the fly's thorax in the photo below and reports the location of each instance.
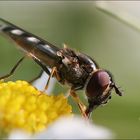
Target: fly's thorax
(72, 74)
(71, 70)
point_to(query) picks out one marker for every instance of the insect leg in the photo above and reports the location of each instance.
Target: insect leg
(13, 69)
(53, 71)
(42, 66)
(82, 107)
(51, 74)
(35, 78)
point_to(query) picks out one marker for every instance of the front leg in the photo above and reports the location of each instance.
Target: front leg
(82, 107)
(52, 74)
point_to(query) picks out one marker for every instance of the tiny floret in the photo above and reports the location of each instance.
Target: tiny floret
(24, 107)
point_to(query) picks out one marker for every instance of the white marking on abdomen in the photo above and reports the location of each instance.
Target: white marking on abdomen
(17, 32)
(33, 39)
(47, 46)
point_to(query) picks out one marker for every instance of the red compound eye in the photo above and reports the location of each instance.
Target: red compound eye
(97, 84)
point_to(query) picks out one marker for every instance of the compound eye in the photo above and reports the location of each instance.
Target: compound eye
(98, 84)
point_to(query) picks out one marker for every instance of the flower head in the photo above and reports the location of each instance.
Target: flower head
(23, 106)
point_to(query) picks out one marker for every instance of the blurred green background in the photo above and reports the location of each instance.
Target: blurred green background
(114, 46)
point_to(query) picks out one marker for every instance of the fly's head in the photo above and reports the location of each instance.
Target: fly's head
(98, 89)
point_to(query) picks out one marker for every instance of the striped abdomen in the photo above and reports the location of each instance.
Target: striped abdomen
(31, 44)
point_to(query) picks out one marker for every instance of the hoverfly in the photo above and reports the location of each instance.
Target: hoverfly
(75, 69)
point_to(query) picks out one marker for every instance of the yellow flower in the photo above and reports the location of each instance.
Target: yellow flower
(23, 106)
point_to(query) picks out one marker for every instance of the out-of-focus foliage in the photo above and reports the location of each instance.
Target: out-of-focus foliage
(113, 45)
